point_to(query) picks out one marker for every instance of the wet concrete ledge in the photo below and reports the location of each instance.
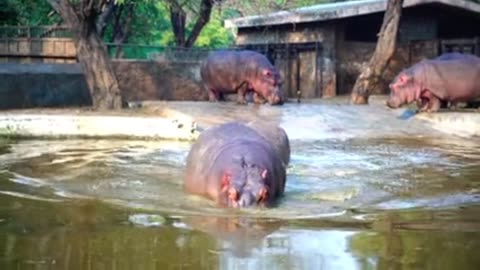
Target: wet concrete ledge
(67, 125)
(184, 120)
(460, 123)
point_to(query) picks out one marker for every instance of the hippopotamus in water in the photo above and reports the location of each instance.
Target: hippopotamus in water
(230, 71)
(276, 136)
(237, 166)
(452, 77)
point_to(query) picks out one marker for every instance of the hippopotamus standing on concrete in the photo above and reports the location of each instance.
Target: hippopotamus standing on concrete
(229, 71)
(456, 56)
(452, 77)
(237, 166)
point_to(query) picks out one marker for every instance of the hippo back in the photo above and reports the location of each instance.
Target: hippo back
(453, 80)
(457, 56)
(276, 136)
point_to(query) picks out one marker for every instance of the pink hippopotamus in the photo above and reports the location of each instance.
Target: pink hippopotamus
(239, 164)
(451, 77)
(242, 72)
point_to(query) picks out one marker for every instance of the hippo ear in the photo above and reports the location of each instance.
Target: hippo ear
(404, 78)
(267, 72)
(264, 174)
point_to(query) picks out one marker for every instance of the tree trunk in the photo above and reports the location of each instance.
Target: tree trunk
(178, 18)
(91, 52)
(370, 77)
(105, 17)
(121, 28)
(101, 79)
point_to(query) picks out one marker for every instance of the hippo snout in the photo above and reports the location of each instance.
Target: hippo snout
(246, 199)
(393, 103)
(249, 197)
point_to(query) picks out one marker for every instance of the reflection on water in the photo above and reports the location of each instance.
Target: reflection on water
(394, 197)
(91, 235)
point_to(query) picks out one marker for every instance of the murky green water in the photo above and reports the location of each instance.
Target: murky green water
(351, 202)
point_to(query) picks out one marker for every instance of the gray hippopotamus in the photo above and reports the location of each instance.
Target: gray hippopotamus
(230, 71)
(237, 166)
(452, 77)
(276, 136)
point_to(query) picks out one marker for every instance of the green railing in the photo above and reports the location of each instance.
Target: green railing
(16, 41)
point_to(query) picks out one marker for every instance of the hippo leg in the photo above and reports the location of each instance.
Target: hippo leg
(423, 104)
(212, 95)
(258, 99)
(241, 93)
(453, 105)
(429, 102)
(434, 104)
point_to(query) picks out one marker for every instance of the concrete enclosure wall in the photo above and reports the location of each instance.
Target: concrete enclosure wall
(42, 85)
(352, 58)
(60, 85)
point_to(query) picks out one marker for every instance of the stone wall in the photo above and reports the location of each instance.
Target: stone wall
(40, 85)
(63, 85)
(159, 80)
(352, 58)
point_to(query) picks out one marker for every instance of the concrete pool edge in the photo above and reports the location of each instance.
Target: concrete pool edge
(66, 125)
(184, 120)
(463, 124)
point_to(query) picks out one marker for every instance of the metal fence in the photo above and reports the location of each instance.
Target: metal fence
(27, 37)
(136, 51)
(471, 46)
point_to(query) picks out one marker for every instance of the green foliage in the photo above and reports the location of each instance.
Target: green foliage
(151, 21)
(214, 35)
(27, 12)
(151, 26)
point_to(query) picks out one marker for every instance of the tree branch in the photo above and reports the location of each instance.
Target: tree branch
(55, 5)
(202, 19)
(105, 17)
(178, 19)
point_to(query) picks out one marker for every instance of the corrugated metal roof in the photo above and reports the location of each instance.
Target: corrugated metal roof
(324, 12)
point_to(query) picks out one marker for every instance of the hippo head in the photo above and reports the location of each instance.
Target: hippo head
(403, 90)
(245, 186)
(269, 85)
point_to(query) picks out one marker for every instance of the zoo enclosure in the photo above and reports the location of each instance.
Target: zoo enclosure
(54, 44)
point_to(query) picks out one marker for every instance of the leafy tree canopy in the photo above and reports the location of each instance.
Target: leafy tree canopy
(151, 24)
